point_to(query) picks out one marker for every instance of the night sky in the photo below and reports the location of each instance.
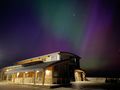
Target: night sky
(88, 28)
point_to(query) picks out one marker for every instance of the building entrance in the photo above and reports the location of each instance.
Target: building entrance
(79, 75)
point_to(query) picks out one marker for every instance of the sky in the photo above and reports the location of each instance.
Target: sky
(87, 28)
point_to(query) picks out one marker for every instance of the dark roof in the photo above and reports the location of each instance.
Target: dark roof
(31, 68)
(70, 53)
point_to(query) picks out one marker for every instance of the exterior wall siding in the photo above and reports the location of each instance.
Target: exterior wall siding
(48, 75)
(18, 80)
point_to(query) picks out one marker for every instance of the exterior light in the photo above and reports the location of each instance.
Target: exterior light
(37, 71)
(26, 72)
(7, 70)
(48, 72)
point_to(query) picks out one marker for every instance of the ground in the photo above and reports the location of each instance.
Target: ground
(74, 86)
(9, 86)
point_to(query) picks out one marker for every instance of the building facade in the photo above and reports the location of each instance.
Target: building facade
(51, 69)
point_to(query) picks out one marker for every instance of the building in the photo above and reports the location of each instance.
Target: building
(51, 69)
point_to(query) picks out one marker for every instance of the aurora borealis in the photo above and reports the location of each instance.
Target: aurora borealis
(88, 28)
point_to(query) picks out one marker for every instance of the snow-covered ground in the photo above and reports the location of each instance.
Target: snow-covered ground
(10, 86)
(75, 86)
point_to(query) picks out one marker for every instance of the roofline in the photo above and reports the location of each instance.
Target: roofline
(42, 56)
(69, 53)
(9, 67)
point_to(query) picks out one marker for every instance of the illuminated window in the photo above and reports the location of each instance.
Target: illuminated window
(48, 73)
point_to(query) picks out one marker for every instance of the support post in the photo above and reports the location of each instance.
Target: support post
(23, 77)
(35, 77)
(7, 78)
(43, 77)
